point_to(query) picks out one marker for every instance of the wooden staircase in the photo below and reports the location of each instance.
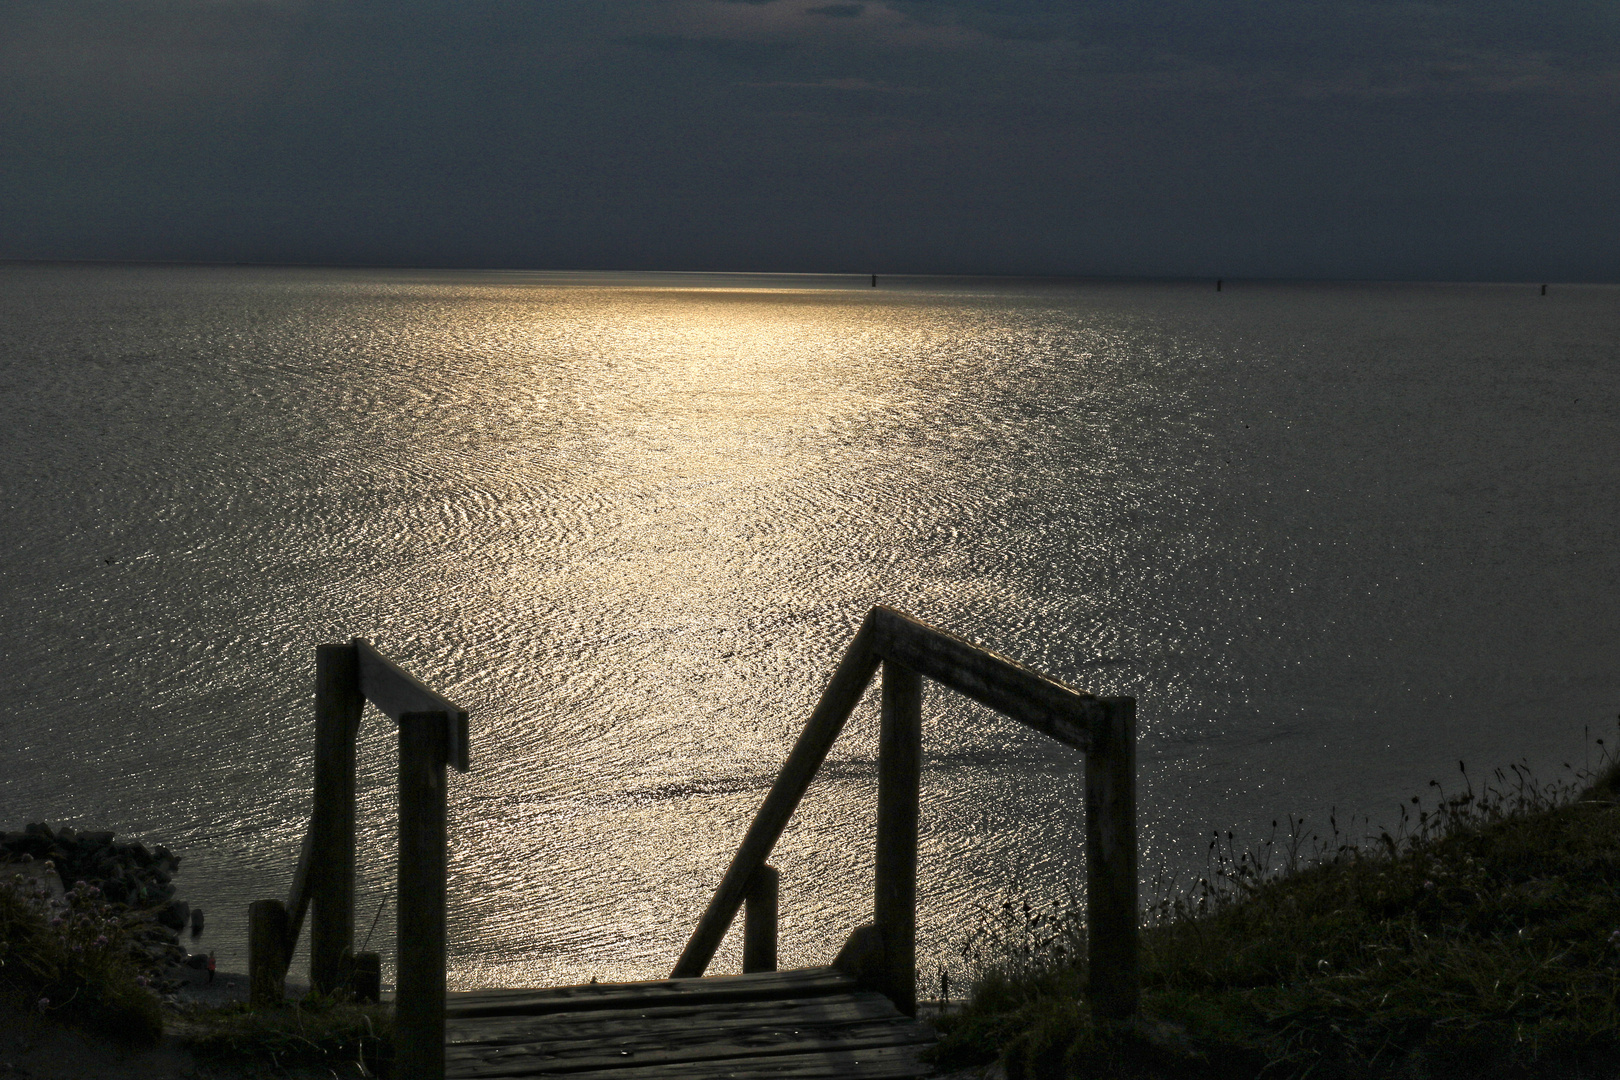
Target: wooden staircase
(852, 1020)
(783, 1025)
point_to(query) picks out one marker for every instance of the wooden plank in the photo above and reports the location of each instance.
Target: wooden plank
(419, 1013)
(1027, 696)
(396, 692)
(843, 693)
(899, 784)
(330, 872)
(803, 1013)
(872, 1063)
(631, 1048)
(298, 895)
(760, 920)
(1112, 923)
(800, 982)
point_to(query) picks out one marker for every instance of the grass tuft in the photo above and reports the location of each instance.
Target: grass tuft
(1480, 937)
(342, 1037)
(73, 959)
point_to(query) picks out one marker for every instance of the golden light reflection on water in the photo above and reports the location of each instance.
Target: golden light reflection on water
(738, 460)
(632, 527)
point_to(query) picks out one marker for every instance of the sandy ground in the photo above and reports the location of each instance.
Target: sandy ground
(228, 986)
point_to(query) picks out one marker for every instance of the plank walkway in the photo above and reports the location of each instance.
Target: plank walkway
(783, 1025)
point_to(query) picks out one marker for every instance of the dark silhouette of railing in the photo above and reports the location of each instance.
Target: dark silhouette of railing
(432, 734)
(883, 953)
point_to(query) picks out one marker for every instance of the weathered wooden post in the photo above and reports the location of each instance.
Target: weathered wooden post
(268, 942)
(899, 786)
(338, 703)
(760, 920)
(1112, 930)
(367, 984)
(419, 997)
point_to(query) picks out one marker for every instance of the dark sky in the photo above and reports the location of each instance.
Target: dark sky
(1306, 138)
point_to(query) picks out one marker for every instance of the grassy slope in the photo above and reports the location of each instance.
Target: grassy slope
(70, 959)
(70, 962)
(338, 1039)
(1486, 944)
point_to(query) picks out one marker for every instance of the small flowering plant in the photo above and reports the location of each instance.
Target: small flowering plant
(72, 954)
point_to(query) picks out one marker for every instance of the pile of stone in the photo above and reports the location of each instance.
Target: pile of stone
(130, 876)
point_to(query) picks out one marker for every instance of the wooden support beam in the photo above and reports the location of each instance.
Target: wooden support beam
(760, 921)
(298, 895)
(330, 870)
(837, 701)
(419, 997)
(899, 789)
(1112, 926)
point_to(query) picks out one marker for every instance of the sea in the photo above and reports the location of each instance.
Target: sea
(1338, 540)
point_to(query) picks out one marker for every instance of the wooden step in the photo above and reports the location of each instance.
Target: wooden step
(796, 1025)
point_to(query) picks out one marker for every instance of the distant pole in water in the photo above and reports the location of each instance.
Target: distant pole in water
(1544, 290)
(1217, 284)
(874, 283)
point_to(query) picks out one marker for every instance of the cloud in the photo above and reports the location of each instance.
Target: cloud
(532, 129)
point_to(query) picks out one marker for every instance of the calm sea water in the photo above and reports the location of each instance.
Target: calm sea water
(1333, 538)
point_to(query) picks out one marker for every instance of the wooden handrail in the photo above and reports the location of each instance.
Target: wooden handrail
(908, 650)
(1004, 685)
(433, 733)
(396, 692)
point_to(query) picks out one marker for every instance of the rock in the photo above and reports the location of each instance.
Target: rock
(128, 875)
(175, 915)
(30, 844)
(196, 921)
(861, 958)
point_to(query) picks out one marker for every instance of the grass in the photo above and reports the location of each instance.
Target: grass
(72, 959)
(336, 1037)
(1480, 938)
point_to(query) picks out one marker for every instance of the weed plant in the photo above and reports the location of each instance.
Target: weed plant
(71, 958)
(332, 1035)
(1479, 937)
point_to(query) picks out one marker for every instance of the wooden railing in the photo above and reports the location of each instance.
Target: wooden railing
(432, 734)
(884, 952)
